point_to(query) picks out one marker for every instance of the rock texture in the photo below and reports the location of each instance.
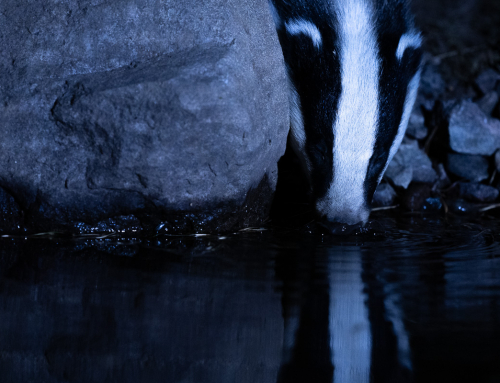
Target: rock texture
(432, 85)
(487, 80)
(410, 164)
(128, 107)
(473, 132)
(488, 102)
(472, 168)
(416, 128)
(477, 192)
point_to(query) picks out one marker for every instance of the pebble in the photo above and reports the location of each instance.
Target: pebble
(432, 204)
(471, 131)
(470, 167)
(432, 86)
(477, 192)
(487, 103)
(487, 80)
(410, 164)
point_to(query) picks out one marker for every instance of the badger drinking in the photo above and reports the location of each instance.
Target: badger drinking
(353, 68)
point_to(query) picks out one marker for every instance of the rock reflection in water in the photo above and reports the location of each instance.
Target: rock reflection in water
(420, 303)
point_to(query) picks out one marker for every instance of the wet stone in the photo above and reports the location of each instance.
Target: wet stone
(487, 80)
(488, 102)
(477, 192)
(470, 167)
(432, 204)
(416, 128)
(410, 164)
(384, 195)
(472, 132)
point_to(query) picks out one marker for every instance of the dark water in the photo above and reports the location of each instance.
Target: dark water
(417, 300)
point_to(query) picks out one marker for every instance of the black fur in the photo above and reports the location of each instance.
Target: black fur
(315, 73)
(393, 20)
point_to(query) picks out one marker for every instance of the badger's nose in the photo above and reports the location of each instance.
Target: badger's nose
(345, 208)
(338, 228)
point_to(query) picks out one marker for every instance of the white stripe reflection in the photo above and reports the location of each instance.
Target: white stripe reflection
(351, 341)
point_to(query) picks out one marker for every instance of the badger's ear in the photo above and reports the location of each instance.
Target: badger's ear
(306, 28)
(409, 52)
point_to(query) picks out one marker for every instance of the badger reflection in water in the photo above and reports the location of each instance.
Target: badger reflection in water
(338, 326)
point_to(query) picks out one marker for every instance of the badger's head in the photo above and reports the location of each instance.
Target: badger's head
(353, 68)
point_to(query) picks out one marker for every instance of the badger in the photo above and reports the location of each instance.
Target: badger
(353, 68)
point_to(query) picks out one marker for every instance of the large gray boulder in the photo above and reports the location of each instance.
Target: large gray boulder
(146, 108)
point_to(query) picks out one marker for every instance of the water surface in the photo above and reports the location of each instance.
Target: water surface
(414, 299)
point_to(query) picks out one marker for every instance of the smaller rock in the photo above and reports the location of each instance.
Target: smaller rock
(487, 80)
(384, 195)
(416, 128)
(477, 192)
(472, 132)
(432, 204)
(470, 167)
(488, 102)
(410, 164)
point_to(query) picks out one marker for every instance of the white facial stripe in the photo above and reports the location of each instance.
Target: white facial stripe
(411, 95)
(408, 40)
(307, 28)
(356, 123)
(350, 335)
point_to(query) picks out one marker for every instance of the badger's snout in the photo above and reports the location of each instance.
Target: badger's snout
(348, 211)
(353, 69)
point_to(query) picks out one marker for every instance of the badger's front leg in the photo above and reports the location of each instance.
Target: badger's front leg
(353, 68)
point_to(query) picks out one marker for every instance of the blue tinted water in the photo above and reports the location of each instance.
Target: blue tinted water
(414, 300)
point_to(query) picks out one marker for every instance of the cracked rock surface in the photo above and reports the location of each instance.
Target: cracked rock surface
(123, 108)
